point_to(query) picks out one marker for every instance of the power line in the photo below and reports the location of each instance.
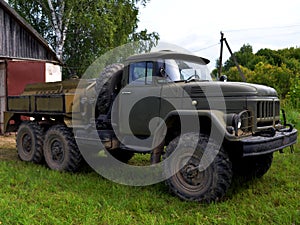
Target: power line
(210, 46)
(262, 28)
(255, 36)
(274, 35)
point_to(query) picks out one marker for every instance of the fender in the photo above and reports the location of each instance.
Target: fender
(217, 118)
(10, 116)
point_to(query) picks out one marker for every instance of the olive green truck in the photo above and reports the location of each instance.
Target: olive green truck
(157, 104)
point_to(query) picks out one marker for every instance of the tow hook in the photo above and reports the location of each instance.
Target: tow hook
(287, 127)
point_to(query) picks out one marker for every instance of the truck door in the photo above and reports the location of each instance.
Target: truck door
(138, 106)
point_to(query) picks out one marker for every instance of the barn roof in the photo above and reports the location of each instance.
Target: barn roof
(25, 25)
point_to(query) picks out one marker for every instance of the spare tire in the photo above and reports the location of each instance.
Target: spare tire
(108, 86)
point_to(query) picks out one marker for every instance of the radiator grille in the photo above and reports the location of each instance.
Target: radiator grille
(268, 109)
(268, 112)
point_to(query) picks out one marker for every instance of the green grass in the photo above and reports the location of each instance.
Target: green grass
(33, 194)
(292, 114)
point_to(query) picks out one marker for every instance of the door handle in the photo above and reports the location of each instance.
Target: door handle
(126, 92)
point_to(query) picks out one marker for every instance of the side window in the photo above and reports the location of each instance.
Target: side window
(141, 73)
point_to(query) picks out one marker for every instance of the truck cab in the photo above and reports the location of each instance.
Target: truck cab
(166, 88)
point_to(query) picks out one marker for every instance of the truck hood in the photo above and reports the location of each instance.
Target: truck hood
(228, 89)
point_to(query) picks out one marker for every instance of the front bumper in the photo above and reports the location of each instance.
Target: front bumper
(258, 145)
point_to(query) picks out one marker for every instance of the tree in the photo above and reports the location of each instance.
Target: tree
(272, 57)
(81, 30)
(273, 76)
(234, 75)
(275, 68)
(245, 57)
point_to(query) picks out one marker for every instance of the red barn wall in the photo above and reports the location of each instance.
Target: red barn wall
(21, 73)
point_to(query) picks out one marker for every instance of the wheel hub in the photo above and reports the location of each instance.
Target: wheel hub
(27, 143)
(191, 174)
(57, 151)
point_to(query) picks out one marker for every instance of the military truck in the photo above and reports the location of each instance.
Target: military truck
(149, 105)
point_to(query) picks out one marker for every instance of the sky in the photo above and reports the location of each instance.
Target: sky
(195, 25)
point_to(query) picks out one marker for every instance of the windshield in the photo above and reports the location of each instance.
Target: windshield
(179, 70)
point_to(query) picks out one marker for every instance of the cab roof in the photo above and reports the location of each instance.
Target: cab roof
(166, 54)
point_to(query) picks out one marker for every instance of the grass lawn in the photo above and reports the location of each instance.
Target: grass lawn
(33, 194)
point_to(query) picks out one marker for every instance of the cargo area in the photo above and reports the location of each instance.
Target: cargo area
(55, 98)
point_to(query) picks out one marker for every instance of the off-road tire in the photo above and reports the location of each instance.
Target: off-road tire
(60, 149)
(30, 142)
(121, 155)
(253, 166)
(107, 85)
(189, 183)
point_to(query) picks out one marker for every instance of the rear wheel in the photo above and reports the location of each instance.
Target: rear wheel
(60, 149)
(30, 142)
(196, 176)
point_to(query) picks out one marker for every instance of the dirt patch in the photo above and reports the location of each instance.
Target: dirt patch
(8, 141)
(8, 149)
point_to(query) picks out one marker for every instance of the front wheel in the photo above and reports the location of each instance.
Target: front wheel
(203, 174)
(60, 150)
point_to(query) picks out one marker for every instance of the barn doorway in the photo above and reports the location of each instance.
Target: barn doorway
(2, 93)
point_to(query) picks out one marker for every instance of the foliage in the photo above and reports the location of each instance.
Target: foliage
(293, 96)
(82, 30)
(293, 116)
(273, 76)
(233, 73)
(245, 58)
(279, 69)
(272, 57)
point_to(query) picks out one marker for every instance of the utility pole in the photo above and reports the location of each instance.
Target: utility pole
(233, 57)
(221, 56)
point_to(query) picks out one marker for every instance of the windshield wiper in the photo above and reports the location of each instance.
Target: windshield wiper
(193, 77)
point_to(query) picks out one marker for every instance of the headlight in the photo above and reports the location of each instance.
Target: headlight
(236, 123)
(241, 121)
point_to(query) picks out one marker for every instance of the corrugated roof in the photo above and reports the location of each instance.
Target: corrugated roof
(23, 23)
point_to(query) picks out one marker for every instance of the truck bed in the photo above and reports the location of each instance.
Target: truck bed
(54, 103)
(49, 98)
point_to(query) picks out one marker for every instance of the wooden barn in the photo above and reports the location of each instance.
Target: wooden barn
(25, 56)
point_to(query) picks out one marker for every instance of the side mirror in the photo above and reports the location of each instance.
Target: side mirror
(223, 78)
(162, 72)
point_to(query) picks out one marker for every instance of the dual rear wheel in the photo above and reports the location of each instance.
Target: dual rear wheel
(30, 142)
(57, 146)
